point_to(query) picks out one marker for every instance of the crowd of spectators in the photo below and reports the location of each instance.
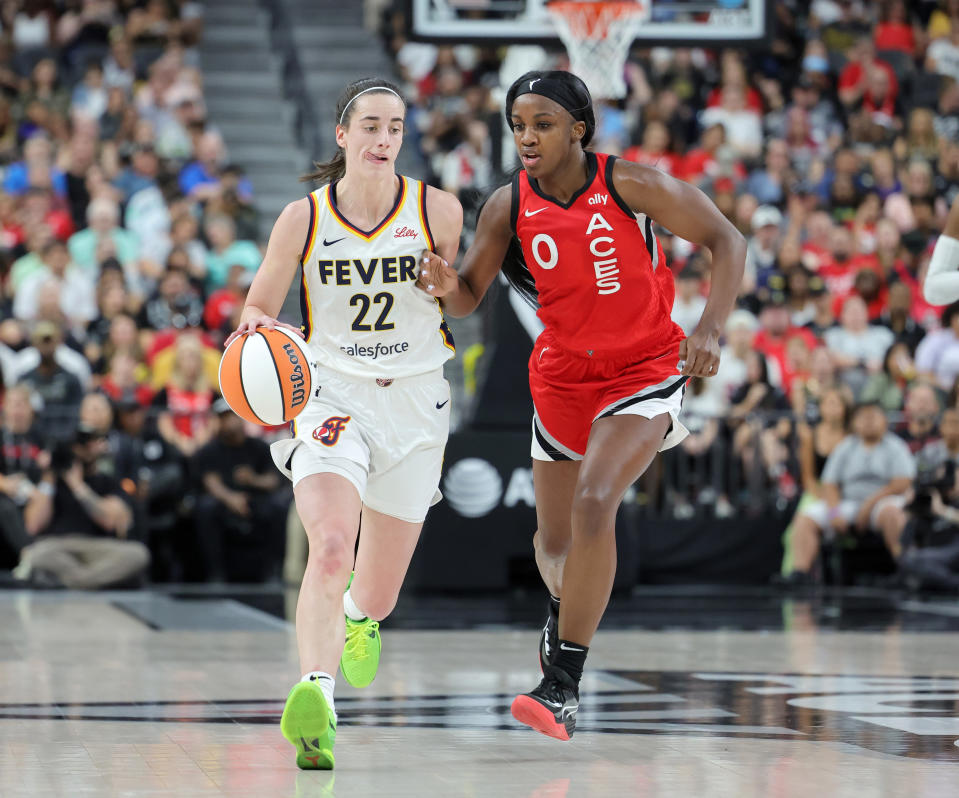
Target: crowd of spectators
(835, 151)
(127, 243)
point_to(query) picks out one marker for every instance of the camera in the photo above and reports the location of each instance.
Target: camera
(62, 457)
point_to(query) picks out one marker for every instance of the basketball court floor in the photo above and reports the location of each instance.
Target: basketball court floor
(688, 694)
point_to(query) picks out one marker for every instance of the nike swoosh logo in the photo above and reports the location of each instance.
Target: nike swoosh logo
(533, 213)
(549, 703)
(439, 405)
(565, 647)
(331, 243)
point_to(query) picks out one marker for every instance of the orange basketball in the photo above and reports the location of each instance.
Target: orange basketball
(265, 376)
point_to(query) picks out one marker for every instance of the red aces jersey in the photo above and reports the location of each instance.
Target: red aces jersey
(604, 286)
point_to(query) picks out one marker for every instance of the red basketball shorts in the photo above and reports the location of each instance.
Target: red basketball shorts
(572, 390)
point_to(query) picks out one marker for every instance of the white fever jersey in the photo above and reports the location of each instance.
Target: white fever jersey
(362, 312)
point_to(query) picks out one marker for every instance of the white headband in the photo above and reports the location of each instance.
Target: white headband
(361, 93)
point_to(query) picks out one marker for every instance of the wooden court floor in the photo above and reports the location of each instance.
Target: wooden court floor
(153, 694)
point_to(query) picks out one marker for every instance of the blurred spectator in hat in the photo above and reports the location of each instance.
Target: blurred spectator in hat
(74, 286)
(81, 520)
(888, 386)
(36, 169)
(937, 356)
(689, 302)
(238, 517)
(942, 55)
(59, 390)
(763, 246)
(226, 251)
(67, 352)
(768, 184)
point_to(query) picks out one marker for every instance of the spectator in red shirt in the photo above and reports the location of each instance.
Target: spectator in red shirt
(894, 31)
(222, 302)
(855, 83)
(655, 149)
(776, 328)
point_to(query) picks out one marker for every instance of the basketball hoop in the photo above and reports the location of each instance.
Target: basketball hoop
(597, 36)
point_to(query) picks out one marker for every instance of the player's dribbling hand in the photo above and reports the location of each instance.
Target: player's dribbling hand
(700, 354)
(250, 325)
(437, 277)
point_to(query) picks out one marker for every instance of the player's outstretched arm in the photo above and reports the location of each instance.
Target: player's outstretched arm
(461, 292)
(276, 272)
(941, 285)
(687, 212)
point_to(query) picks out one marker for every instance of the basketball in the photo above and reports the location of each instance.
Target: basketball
(265, 376)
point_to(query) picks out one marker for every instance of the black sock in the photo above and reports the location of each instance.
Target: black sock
(571, 657)
(553, 605)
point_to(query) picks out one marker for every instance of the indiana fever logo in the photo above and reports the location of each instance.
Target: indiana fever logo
(328, 433)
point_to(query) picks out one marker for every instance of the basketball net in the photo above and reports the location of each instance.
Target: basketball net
(597, 36)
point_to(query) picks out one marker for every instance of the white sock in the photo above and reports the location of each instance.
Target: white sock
(353, 612)
(326, 683)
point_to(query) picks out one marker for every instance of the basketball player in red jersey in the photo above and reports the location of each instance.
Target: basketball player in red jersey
(574, 232)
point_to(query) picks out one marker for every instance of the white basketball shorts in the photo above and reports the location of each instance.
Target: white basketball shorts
(387, 437)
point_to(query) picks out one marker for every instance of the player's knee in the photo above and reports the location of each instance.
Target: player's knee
(330, 551)
(379, 607)
(549, 543)
(594, 508)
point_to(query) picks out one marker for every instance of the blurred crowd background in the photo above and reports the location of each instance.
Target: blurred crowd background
(128, 239)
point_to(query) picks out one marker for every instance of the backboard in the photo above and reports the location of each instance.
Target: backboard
(671, 22)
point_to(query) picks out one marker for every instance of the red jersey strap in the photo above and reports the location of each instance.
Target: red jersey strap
(624, 207)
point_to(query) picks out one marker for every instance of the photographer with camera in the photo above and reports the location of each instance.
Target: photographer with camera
(930, 526)
(80, 518)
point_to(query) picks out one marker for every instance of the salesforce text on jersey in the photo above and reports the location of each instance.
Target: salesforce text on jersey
(392, 270)
(373, 352)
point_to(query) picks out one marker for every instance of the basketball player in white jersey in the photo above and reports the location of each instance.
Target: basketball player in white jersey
(366, 453)
(941, 286)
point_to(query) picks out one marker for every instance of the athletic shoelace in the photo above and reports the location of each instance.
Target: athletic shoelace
(358, 645)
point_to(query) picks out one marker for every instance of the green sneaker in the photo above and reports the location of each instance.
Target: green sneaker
(310, 726)
(361, 654)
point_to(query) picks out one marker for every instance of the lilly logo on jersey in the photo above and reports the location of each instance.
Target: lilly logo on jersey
(298, 396)
(328, 433)
(598, 199)
(404, 232)
(346, 271)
